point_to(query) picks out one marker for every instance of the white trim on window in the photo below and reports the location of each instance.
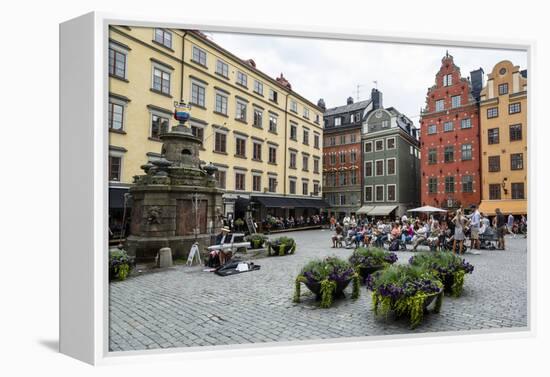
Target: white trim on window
(371, 169)
(371, 147)
(394, 167)
(383, 145)
(163, 69)
(383, 168)
(387, 192)
(375, 192)
(394, 143)
(371, 193)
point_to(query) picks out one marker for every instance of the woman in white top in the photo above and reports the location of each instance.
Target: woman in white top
(460, 222)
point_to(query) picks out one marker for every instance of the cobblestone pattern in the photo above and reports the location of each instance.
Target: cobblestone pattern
(184, 306)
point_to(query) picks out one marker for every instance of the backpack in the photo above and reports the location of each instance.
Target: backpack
(394, 245)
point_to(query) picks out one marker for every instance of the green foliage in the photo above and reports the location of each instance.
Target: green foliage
(283, 245)
(300, 279)
(458, 283)
(256, 240)
(327, 291)
(239, 222)
(320, 269)
(356, 285)
(120, 264)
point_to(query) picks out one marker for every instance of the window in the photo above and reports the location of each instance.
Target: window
(449, 184)
(379, 193)
(305, 188)
(342, 199)
(448, 126)
(467, 183)
(256, 183)
(449, 154)
(292, 160)
(242, 79)
(293, 131)
(368, 169)
(159, 125)
(368, 147)
(516, 161)
(272, 95)
(333, 159)
(240, 147)
(368, 194)
(342, 157)
(306, 137)
(332, 141)
(258, 118)
(390, 143)
(220, 176)
(379, 145)
(163, 37)
(440, 105)
(272, 155)
(315, 189)
(432, 185)
(353, 138)
(161, 81)
(257, 151)
(272, 184)
(518, 190)
(493, 135)
(494, 191)
(305, 162)
(515, 132)
(514, 108)
(448, 80)
(198, 96)
(292, 186)
(117, 63)
(342, 139)
(379, 167)
(315, 165)
(353, 156)
(239, 181)
(273, 123)
(240, 114)
(197, 132)
(293, 106)
(316, 139)
(466, 123)
(115, 165)
(353, 177)
(199, 56)
(337, 121)
(502, 89)
(221, 103)
(352, 118)
(220, 142)
(492, 112)
(455, 101)
(390, 195)
(466, 152)
(116, 116)
(222, 68)
(432, 129)
(306, 112)
(258, 87)
(317, 118)
(390, 166)
(432, 156)
(494, 164)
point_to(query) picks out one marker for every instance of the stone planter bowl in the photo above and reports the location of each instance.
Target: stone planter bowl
(315, 288)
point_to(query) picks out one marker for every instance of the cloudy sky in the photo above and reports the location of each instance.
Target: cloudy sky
(332, 69)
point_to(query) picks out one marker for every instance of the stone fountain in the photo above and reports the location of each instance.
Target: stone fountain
(176, 203)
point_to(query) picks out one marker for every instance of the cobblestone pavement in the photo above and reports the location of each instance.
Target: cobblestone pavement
(184, 306)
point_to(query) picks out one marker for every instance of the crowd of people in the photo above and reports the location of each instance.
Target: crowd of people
(280, 223)
(449, 231)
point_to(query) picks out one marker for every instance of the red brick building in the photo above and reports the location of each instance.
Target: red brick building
(450, 145)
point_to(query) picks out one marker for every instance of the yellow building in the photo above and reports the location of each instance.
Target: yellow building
(264, 138)
(503, 118)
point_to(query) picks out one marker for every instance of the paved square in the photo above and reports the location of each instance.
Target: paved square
(184, 306)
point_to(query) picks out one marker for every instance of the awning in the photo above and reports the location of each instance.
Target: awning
(427, 209)
(364, 210)
(381, 210)
(116, 197)
(515, 207)
(284, 202)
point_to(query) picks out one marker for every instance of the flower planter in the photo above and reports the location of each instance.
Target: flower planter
(365, 271)
(278, 248)
(315, 288)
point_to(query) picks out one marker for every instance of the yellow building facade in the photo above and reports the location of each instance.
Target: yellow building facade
(264, 138)
(503, 119)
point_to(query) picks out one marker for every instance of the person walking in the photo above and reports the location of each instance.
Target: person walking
(500, 224)
(510, 225)
(460, 222)
(475, 224)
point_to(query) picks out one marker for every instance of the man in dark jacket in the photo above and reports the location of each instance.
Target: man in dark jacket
(500, 224)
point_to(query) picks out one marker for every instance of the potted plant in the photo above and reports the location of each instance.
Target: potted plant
(256, 240)
(239, 224)
(327, 278)
(450, 269)
(369, 260)
(405, 290)
(281, 246)
(120, 264)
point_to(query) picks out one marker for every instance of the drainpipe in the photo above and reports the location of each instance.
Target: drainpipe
(182, 63)
(285, 144)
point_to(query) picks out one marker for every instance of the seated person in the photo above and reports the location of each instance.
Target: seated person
(407, 233)
(219, 257)
(433, 238)
(339, 231)
(420, 235)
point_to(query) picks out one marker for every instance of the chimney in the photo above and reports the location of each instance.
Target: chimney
(321, 104)
(283, 81)
(476, 78)
(376, 98)
(251, 63)
(349, 100)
